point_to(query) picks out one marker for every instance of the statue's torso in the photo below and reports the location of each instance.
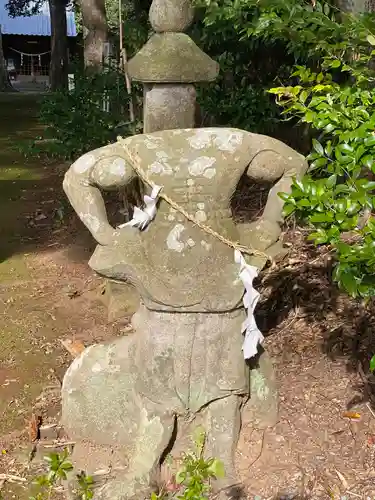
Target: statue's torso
(179, 264)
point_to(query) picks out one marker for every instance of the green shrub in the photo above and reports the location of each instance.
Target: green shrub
(248, 67)
(337, 196)
(90, 115)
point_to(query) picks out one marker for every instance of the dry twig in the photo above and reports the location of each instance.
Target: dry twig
(12, 478)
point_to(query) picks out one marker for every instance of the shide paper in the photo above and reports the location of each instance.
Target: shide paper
(253, 335)
(143, 217)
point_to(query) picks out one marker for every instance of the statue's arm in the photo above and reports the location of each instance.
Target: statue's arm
(107, 169)
(291, 166)
(279, 164)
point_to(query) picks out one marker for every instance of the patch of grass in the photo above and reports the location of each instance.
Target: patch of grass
(13, 268)
(20, 180)
(17, 172)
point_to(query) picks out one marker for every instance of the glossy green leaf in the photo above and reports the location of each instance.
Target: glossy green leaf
(303, 203)
(324, 217)
(318, 147)
(343, 159)
(284, 196)
(370, 141)
(319, 163)
(217, 469)
(299, 184)
(303, 96)
(367, 161)
(349, 283)
(331, 181)
(319, 237)
(345, 148)
(335, 64)
(328, 128)
(288, 210)
(340, 206)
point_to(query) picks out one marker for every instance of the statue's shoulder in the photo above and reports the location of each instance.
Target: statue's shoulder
(221, 139)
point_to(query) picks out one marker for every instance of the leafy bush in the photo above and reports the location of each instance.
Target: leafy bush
(248, 67)
(90, 115)
(244, 105)
(337, 198)
(331, 91)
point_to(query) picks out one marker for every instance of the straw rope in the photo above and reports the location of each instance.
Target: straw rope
(136, 164)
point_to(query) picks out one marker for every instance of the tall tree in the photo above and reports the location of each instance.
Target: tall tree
(355, 6)
(59, 41)
(95, 32)
(5, 85)
(59, 44)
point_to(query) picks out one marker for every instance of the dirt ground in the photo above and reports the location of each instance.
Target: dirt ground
(320, 340)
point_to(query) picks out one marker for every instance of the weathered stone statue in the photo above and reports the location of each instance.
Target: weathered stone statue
(184, 363)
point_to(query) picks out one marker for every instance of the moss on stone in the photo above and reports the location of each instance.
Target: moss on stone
(172, 58)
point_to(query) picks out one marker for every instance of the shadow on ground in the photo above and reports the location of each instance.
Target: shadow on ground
(302, 289)
(34, 212)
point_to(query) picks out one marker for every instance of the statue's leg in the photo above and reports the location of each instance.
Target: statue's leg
(111, 400)
(154, 435)
(262, 408)
(223, 422)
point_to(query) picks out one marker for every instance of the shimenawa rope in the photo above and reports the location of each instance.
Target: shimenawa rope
(136, 164)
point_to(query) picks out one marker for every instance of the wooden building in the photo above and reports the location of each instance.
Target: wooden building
(27, 43)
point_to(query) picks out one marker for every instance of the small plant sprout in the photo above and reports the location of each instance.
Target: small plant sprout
(193, 479)
(58, 467)
(372, 364)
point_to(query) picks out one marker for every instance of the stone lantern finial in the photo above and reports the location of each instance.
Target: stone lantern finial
(171, 15)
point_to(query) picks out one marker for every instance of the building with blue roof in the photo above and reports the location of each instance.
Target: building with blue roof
(27, 42)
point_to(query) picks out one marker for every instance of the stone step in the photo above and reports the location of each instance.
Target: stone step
(31, 87)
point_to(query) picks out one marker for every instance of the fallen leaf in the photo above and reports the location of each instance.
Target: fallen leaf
(40, 217)
(34, 427)
(353, 415)
(342, 479)
(74, 347)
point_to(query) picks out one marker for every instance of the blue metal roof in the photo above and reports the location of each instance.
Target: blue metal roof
(39, 25)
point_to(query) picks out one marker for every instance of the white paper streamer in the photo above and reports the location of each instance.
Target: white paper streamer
(142, 217)
(253, 335)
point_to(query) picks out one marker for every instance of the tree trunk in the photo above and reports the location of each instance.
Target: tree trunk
(59, 45)
(95, 32)
(5, 85)
(355, 6)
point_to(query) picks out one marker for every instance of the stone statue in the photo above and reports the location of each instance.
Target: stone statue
(184, 363)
